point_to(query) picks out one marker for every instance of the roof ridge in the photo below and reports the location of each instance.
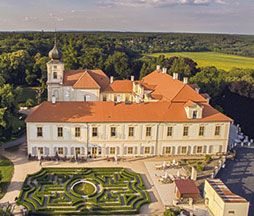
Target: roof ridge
(92, 76)
(178, 93)
(82, 76)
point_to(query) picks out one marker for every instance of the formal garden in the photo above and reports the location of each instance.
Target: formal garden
(83, 191)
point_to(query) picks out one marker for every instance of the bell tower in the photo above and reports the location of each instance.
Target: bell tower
(55, 73)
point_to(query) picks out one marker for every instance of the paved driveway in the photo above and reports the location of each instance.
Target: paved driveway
(239, 175)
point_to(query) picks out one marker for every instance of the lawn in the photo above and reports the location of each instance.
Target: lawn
(83, 191)
(219, 60)
(6, 168)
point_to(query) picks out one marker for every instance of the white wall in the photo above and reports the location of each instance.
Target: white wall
(212, 144)
(70, 94)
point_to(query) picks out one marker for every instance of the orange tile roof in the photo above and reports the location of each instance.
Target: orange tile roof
(123, 86)
(73, 76)
(190, 103)
(100, 77)
(164, 84)
(187, 93)
(171, 89)
(100, 111)
(85, 81)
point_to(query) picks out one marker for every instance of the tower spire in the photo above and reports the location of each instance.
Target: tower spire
(55, 54)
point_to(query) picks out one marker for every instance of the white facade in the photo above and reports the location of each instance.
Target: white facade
(161, 141)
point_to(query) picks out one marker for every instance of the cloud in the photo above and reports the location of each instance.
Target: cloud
(30, 18)
(158, 3)
(56, 18)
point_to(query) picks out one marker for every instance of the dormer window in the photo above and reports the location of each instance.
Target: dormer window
(54, 75)
(194, 114)
(193, 110)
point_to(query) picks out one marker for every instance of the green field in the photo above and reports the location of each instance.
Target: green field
(219, 60)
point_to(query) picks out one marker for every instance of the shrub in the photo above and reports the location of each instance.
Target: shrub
(114, 183)
(208, 158)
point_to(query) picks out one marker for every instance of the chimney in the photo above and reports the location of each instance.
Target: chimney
(111, 79)
(164, 70)
(158, 67)
(175, 76)
(197, 89)
(185, 80)
(53, 99)
(132, 78)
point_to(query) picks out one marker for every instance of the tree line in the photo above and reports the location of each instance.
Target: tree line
(23, 58)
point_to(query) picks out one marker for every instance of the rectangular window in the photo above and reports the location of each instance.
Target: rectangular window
(170, 131)
(185, 131)
(54, 75)
(39, 132)
(60, 150)
(147, 150)
(77, 131)
(104, 98)
(113, 131)
(115, 98)
(128, 99)
(184, 150)
(40, 150)
(60, 131)
(112, 150)
(217, 131)
(131, 131)
(167, 150)
(94, 132)
(130, 150)
(77, 151)
(148, 131)
(199, 149)
(194, 114)
(201, 131)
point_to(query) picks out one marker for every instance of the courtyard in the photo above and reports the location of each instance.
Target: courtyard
(24, 167)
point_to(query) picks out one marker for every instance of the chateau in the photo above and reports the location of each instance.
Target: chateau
(91, 114)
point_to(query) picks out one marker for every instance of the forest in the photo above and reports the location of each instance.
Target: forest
(23, 57)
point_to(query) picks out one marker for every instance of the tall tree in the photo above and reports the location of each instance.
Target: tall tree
(118, 65)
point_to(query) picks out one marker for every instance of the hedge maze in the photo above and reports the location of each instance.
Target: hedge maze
(83, 191)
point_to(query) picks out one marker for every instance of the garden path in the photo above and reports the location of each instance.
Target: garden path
(23, 167)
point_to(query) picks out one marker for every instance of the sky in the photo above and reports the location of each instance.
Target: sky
(213, 16)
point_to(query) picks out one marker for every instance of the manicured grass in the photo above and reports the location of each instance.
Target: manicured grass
(84, 188)
(219, 60)
(62, 191)
(6, 168)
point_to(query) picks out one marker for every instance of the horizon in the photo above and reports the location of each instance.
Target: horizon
(119, 31)
(162, 16)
